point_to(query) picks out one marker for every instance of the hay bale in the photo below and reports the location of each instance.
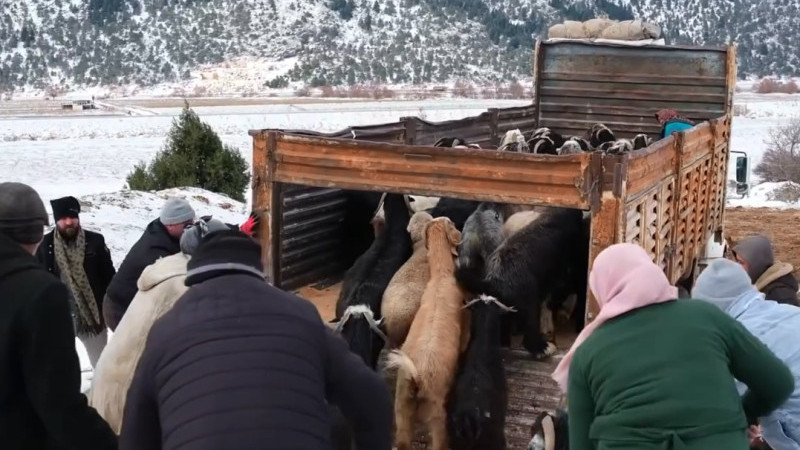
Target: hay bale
(593, 28)
(631, 30)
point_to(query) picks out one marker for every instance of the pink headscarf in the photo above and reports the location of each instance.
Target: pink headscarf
(623, 278)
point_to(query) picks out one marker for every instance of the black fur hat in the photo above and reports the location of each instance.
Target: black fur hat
(222, 253)
(65, 207)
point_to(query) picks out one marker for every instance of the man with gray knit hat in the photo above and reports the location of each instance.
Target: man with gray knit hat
(40, 401)
(774, 278)
(160, 238)
(728, 286)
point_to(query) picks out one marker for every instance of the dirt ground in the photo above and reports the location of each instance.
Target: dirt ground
(782, 226)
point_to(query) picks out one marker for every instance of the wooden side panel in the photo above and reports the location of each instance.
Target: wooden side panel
(582, 83)
(485, 175)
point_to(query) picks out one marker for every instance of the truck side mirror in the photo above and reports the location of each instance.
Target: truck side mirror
(741, 169)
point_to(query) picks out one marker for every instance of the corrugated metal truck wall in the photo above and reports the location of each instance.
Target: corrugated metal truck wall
(622, 86)
(311, 218)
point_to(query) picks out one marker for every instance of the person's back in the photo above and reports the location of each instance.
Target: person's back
(665, 369)
(41, 406)
(653, 372)
(238, 363)
(726, 285)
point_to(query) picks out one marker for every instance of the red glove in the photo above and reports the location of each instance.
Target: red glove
(249, 228)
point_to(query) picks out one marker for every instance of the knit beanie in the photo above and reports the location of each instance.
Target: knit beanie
(191, 237)
(757, 252)
(22, 213)
(175, 211)
(721, 283)
(222, 253)
(65, 207)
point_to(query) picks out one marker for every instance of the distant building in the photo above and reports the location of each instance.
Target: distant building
(78, 104)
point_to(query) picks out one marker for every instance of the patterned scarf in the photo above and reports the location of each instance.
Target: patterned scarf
(69, 258)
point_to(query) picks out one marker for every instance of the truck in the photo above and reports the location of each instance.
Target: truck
(669, 197)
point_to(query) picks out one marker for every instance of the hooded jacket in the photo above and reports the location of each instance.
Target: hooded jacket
(773, 278)
(160, 286)
(41, 406)
(726, 285)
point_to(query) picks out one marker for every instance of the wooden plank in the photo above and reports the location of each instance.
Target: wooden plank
(627, 94)
(485, 175)
(264, 200)
(639, 78)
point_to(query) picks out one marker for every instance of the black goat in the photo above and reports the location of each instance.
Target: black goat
(476, 405)
(550, 431)
(482, 234)
(359, 303)
(358, 234)
(600, 134)
(455, 209)
(641, 141)
(543, 145)
(523, 271)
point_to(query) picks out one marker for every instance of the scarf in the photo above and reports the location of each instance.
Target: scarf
(69, 259)
(623, 278)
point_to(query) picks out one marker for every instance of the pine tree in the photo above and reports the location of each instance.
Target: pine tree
(193, 156)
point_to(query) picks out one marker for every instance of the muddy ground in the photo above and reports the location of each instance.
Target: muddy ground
(780, 225)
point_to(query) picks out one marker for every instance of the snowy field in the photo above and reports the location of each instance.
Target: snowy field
(88, 156)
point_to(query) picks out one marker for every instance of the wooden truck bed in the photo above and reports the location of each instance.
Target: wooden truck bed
(668, 198)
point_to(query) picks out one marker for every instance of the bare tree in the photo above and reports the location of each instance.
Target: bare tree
(781, 161)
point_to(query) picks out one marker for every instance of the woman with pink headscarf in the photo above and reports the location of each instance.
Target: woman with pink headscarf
(651, 372)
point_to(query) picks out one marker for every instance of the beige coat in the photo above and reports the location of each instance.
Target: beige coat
(160, 286)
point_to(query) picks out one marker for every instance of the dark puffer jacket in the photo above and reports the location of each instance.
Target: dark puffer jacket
(239, 364)
(154, 243)
(41, 406)
(96, 262)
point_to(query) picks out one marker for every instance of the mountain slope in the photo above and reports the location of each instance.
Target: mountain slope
(74, 43)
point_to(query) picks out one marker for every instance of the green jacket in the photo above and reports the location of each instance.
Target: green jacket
(662, 377)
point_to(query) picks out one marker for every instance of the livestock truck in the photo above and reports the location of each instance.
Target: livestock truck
(668, 198)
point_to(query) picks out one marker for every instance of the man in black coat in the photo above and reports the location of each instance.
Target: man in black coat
(160, 238)
(80, 258)
(774, 279)
(240, 364)
(41, 406)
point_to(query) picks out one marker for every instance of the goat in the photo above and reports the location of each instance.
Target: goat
(543, 145)
(482, 234)
(402, 296)
(514, 141)
(522, 271)
(583, 143)
(359, 211)
(477, 403)
(428, 359)
(455, 209)
(364, 284)
(550, 431)
(539, 132)
(450, 142)
(570, 147)
(641, 141)
(422, 203)
(620, 147)
(599, 134)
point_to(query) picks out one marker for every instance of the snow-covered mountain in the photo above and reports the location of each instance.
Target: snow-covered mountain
(77, 43)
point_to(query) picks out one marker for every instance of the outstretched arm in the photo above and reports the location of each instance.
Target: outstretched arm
(768, 379)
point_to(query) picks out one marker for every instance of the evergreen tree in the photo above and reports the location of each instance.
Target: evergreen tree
(193, 156)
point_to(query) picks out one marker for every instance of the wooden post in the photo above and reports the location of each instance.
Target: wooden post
(608, 224)
(264, 202)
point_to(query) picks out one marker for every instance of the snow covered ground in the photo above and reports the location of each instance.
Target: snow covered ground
(89, 156)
